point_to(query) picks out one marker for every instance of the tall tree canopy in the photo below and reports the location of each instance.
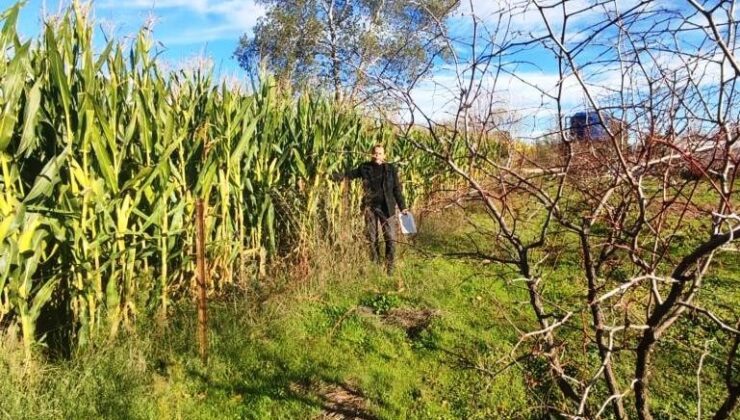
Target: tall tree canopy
(346, 46)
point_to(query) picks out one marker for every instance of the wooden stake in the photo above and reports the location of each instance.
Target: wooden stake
(202, 272)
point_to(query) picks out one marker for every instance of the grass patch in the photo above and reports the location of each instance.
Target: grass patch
(348, 340)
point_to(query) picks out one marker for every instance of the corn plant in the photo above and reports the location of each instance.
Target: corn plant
(103, 156)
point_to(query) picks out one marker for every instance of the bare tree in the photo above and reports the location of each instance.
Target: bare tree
(647, 207)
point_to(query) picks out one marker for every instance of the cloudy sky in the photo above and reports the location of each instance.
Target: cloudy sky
(187, 29)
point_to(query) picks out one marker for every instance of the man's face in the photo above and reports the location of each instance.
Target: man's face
(378, 155)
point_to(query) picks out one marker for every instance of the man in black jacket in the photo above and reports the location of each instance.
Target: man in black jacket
(382, 193)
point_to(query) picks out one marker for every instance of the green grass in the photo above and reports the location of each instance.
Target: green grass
(274, 347)
(328, 330)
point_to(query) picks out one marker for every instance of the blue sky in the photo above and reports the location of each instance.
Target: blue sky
(186, 28)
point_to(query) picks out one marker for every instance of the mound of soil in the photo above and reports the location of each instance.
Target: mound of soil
(339, 401)
(414, 321)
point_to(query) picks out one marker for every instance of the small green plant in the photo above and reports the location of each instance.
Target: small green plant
(381, 303)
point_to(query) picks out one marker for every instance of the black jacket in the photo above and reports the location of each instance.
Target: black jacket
(381, 186)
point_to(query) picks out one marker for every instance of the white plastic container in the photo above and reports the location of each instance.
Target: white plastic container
(408, 225)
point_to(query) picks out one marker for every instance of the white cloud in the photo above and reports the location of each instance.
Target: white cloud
(524, 97)
(526, 17)
(198, 5)
(227, 18)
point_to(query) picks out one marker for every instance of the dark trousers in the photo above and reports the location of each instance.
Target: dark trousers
(373, 219)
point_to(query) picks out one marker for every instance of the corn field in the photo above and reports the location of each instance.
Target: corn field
(103, 156)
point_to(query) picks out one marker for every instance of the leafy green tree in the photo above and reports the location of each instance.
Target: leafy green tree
(355, 49)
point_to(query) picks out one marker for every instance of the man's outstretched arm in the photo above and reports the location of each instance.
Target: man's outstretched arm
(351, 174)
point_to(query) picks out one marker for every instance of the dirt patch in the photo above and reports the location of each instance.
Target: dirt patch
(414, 321)
(339, 401)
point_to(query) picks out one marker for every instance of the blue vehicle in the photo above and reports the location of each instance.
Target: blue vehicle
(586, 125)
(589, 140)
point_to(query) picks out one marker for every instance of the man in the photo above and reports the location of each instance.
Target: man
(382, 193)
